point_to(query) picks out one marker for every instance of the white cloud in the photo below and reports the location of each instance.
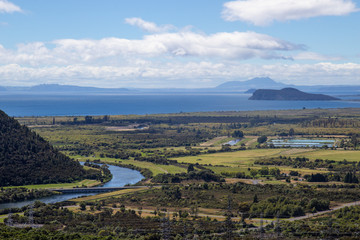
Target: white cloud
(166, 59)
(148, 26)
(179, 74)
(8, 7)
(315, 56)
(234, 45)
(264, 12)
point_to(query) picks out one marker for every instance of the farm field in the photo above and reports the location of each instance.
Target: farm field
(241, 161)
(231, 159)
(336, 155)
(246, 158)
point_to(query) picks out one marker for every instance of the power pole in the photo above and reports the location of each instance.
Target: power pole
(277, 225)
(166, 231)
(228, 221)
(261, 226)
(10, 221)
(185, 230)
(31, 215)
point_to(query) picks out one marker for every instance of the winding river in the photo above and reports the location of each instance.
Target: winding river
(121, 177)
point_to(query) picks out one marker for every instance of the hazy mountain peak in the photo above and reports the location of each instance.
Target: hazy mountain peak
(255, 83)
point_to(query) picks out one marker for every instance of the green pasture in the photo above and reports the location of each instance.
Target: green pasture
(241, 161)
(336, 155)
(85, 182)
(233, 159)
(154, 168)
(247, 157)
(107, 195)
(2, 218)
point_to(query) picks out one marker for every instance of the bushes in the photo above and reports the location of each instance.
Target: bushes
(277, 206)
(205, 175)
(284, 207)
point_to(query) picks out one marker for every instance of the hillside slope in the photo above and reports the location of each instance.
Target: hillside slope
(288, 94)
(26, 158)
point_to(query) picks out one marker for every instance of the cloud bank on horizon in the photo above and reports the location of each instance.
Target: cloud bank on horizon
(167, 56)
(262, 13)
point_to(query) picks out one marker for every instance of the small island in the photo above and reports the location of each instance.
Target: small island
(289, 94)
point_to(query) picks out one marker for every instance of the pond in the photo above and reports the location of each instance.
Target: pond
(301, 143)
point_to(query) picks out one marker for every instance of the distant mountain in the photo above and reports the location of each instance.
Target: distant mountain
(70, 88)
(289, 94)
(26, 158)
(254, 83)
(248, 86)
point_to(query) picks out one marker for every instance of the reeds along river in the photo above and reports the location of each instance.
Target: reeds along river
(121, 177)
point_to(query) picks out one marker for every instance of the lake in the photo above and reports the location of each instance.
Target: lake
(70, 105)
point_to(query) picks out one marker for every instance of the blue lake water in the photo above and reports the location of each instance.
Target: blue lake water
(65, 105)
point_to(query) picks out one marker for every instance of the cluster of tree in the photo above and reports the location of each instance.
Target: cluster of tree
(332, 123)
(351, 178)
(282, 207)
(211, 195)
(204, 175)
(237, 134)
(26, 158)
(20, 194)
(231, 120)
(317, 177)
(298, 162)
(107, 224)
(303, 162)
(262, 139)
(87, 120)
(341, 224)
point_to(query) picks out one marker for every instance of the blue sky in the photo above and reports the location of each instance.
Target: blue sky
(162, 43)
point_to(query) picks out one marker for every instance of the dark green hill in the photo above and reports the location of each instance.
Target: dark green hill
(289, 94)
(26, 158)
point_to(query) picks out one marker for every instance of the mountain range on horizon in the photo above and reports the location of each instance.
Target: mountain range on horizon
(248, 86)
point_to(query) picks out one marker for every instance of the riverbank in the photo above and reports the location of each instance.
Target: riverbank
(121, 177)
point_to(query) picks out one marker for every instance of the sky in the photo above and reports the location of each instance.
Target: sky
(178, 44)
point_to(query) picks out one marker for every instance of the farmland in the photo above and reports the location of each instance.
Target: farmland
(194, 175)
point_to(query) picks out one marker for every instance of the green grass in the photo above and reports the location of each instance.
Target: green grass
(336, 155)
(86, 182)
(154, 168)
(2, 218)
(231, 170)
(106, 195)
(241, 161)
(233, 159)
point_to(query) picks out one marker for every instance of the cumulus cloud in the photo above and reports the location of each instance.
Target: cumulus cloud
(148, 26)
(8, 7)
(264, 12)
